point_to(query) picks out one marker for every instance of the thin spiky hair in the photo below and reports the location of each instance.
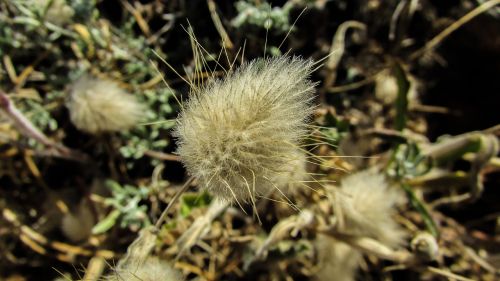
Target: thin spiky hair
(236, 134)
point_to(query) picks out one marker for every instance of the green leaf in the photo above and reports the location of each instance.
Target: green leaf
(420, 207)
(107, 223)
(402, 99)
(113, 186)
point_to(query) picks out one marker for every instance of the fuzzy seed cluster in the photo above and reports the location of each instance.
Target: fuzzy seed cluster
(238, 135)
(152, 269)
(367, 205)
(56, 11)
(98, 105)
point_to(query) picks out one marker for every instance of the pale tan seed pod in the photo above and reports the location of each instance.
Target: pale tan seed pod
(138, 265)
(386, 88)
(77, 225)
(56, 11)
(238, 135)
(98, 105)
(151, 269)
(337, 260)
(425, 246)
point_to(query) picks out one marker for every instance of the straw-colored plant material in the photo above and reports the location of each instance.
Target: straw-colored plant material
(97, 105)
(152, 269)
(238, 136)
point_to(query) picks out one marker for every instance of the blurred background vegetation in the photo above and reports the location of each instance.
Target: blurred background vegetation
(394, 90)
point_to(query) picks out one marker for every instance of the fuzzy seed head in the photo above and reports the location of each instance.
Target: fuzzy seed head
(337, 261)
(368, 207)
(386, 88)
(153, 269)
(56, 11)
(96, 106)
(238, 135)
(77, 225)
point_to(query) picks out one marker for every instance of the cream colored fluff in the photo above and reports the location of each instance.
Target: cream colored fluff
(59, 12)
(97, 105)
(367, 204)
(77, 225)
(238, 135)
(152, 269)
(338, 261)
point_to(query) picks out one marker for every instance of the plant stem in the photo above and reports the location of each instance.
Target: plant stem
(171, 203)
(27, 128)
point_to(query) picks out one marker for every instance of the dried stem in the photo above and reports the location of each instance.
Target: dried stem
(171, 203)
(228, 44)
(162, 156)
(453, 27)
(29, 130)
(372, 246)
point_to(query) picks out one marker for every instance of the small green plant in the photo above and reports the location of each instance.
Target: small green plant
(127, 208)
(408, 162)
(263, 16)
(153, 134)
(193, 201)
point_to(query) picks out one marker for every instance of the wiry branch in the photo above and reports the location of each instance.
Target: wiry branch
(374, 247)
(27, 128)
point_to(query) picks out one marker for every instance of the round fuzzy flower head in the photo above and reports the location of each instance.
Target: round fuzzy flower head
(368, 207)
(97, 106)
(238, 135)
